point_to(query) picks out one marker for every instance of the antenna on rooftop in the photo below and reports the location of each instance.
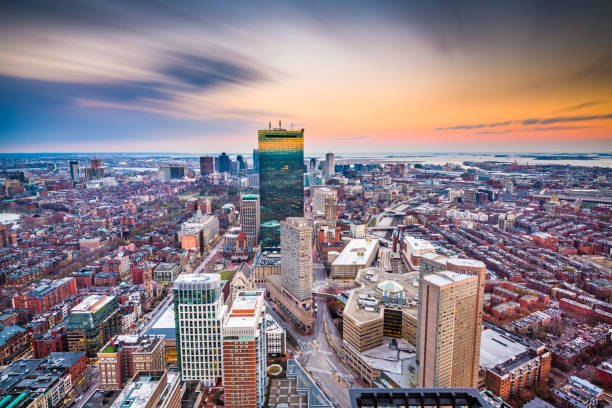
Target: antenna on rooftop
(279, 125)
(269, 125)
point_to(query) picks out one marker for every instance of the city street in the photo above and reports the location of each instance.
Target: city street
(331, 375)
(202, 266)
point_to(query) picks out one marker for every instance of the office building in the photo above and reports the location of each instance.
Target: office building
(150, 389)
(312, 165)
(207, 165)
(380, 312)
(267, 263)
(356, 255)
(329, 165)
(319, 196)
(281, 180)
(241, 163)
(199, 231)
(244, 351)
(330, 212)
(416, 397)
(249, 218)
(166, 273)
(253, 180)
(296, 257)
(449, 330)
(91, 322)
(199, 312)
(225, 163)
(95, 171)
(293, 288)
(74, 170)
(172, 172)
(125, 355)
(256, 161)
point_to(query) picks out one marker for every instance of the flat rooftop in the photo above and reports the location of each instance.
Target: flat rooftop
(497, 347)
(92, 304)
(416, 244)
(443, 278)
(164, 325)
(357, 252)
(137, 393)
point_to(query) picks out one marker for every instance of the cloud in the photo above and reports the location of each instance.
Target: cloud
(351, 138)
(478, 126)
(559, 128)
(494, 132)
(201, 71)
(602, 67)
(579, 106)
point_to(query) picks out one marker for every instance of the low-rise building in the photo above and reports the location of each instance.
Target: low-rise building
(577, 393)
(356, 255)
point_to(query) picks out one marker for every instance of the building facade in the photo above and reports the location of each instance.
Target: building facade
(249, 218)
(281, 180)
(199, 312)
(207, 165)
(244, 351)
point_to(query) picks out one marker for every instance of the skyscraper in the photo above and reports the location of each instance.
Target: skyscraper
(199, 313)
(244, 351)
(255, 160)
(296, 257)
(312, 164)
(449, 330)
(225, 164)
(207, 165)
(241, 163)
(329, 165)
(281, 179)
(249, 218)
(74, 170)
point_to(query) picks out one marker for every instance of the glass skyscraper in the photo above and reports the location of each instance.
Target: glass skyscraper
(281, 180)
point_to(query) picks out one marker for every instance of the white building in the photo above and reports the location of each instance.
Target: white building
(320, 194)
(356, 255)
(329, 165)
(415, 247)
(207, 224)
(199, 312)
(359, 230)
(276, 338)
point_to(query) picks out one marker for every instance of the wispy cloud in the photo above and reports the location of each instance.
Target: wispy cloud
(527, 122)
(578, 107)
(494, 132)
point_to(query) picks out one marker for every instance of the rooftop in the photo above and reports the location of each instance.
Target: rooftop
(138, 392)
(92, 304)
(356, 252)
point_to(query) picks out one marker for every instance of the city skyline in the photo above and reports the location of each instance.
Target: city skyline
(392, 77)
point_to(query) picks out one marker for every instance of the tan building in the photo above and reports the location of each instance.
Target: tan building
(249, 218)
(382, 308)
(449, 330)
(356, 255)
(296, 257)
(242, 280)
(266, 264)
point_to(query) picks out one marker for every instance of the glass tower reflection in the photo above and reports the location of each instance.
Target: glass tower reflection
(281, 180)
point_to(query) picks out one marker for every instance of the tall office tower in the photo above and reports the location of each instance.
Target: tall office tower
(225, 164)
(319, 197)
(244, 351)
(450, 318)
(312, 165)
(74, 170)
(95, 171)
(216, 161)
(329, 165)
(331, 214)
(255, 160)
(296, 257)
(249, 218)
(281, 180)
(241, 163)
(207, 165)
(199, 313)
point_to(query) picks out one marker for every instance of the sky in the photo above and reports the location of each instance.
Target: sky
(358, 76)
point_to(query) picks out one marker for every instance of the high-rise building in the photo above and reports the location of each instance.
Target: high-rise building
(74, 170)
(95, 171)
(225, 164)
(199, 312)
(281, 180)
(293, 288)
(241, 163)
(329, 165)
(249, 218)
(207, 165)
(244, 351)
(296, 257)
(312, 165)
(449, 330)
(255, 160)
(331, 213)
(319, 196)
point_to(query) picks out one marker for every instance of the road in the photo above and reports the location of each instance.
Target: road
(331, 375)
(211, 254)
